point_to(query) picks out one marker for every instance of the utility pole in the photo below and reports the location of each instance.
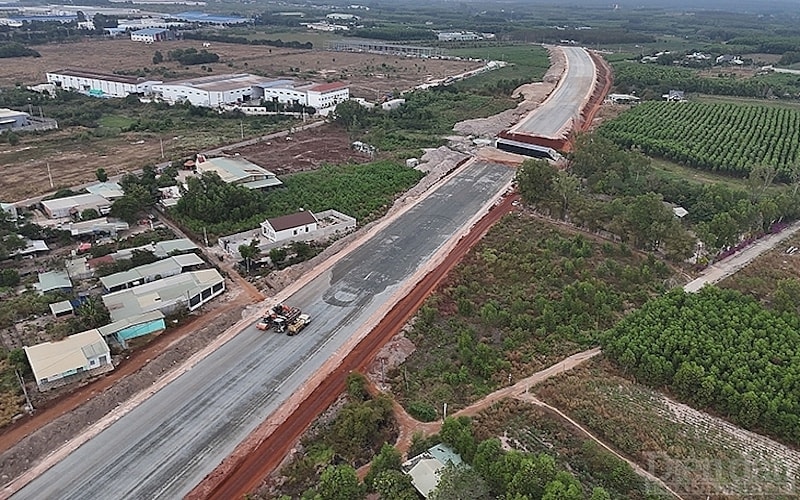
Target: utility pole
(444, 413)
(161, 141)
(241, 126)
(29, 405)
(50, 174)
(205, 235)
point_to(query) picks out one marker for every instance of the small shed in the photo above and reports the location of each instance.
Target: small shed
(62, 309)
(53, 280)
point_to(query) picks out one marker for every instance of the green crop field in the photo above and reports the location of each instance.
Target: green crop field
(727, 138)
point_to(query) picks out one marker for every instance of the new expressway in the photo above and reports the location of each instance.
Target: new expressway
(553, 118)
(168, 444)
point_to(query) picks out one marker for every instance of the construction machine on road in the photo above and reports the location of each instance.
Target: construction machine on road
(299, 324)
(279, 318)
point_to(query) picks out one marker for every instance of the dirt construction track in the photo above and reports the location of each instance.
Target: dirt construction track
(248, 473)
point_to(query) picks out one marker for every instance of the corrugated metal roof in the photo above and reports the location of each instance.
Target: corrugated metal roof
(50, 359)
(53, 280)
(148, 272)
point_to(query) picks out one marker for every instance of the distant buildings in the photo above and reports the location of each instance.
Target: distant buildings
(150, 35)
(463, 36)
(73, 205)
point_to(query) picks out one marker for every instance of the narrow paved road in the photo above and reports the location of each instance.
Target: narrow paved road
(553, 118)
(168, 444)
(720, 270)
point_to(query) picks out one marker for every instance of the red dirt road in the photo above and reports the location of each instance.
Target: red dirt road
(253, 467)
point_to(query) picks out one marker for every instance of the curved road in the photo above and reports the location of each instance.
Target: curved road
(553, 118)
(170, 442)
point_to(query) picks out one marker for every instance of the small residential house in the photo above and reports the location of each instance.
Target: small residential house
(290, 226)
(9, 211)
(729, 59)
(150, 272)
(73, 205)
(239, 171)
(133, 327)
(108, 190)
(95, 227)
(675, 96)
(52, 281)
(58, 363)
(424, 469)
(11, 119)
(186, 290)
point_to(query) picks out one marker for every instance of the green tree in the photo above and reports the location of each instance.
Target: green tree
(351, 115)
(457, 433)
(357, 386)
(12, 138)
(786, 297)
(460, 482)
(277, 255)
(565, 188)
(388, 459)
(158, 57)
(535, 181)
(90, 214)
(101, 175)
(9, 277)
(93, 313)
(249, 252)
(340, 482)
(599, 493)
(136, 200)
(563, 487)
(394, 485)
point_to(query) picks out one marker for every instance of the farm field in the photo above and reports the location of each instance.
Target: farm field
(696, 454)
(530, 294)
(725, 138)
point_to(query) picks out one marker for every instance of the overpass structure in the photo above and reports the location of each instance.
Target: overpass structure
(547, 128)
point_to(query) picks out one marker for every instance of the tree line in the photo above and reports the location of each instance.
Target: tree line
(14, 49)
(293, 44)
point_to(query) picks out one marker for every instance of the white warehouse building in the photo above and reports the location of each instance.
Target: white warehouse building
(211, 91)
(316, 95)
(100, 84)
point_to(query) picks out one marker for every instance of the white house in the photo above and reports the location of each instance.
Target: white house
(289, 226)
(150, 35)
(210, 91)
(316, 95)
(57, 363)
(425, 468)
(458, 36)
(100, 84)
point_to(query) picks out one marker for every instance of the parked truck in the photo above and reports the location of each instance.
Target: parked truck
(299, 324)
(278, 318)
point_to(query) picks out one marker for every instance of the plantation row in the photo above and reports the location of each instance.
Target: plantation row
(723, 137)
(717, 349)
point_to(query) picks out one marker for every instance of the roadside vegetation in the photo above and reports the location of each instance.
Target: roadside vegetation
(421, 122)
(527, 64)
(694, 453)
(527, 296)
(529, 428)
(717, 349)
(690, 134)
(605, 188)
(363, 191)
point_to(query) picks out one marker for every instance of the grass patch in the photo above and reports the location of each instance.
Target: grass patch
(116, 121)
(528, 64)
(528, 295)
(692, 453)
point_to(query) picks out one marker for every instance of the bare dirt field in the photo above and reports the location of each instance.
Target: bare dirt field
(307, 150)
(370, 75)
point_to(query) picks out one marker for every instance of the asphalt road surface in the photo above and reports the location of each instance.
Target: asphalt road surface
(554, 116)
(169, 443)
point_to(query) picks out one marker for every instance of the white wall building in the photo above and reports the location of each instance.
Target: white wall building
(211, 91)
(150, 35)
(100, 84)
(327, 95)
(11, 119)
(458, 36)
(316, 95)
(289, 226)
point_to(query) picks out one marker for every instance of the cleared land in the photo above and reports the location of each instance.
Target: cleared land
(696, 454)
(307, 150)
(74, 153)
(370, 75)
